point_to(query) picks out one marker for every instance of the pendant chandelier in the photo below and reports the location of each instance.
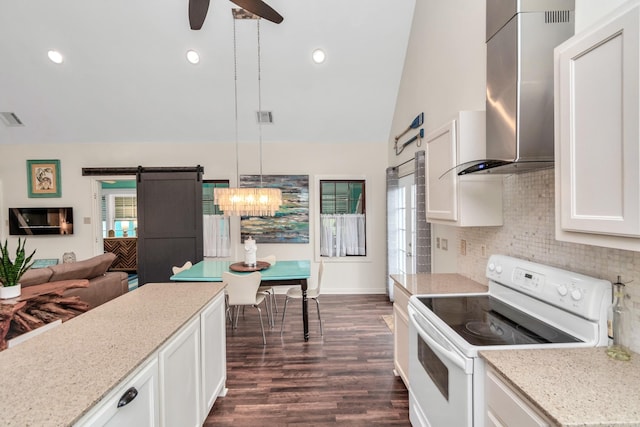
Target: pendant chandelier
(257, 201)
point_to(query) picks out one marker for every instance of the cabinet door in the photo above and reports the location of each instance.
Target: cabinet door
(214, 353)
(180, 398)
(140, 397)
(597, 150)
(401, 334)
(442, 199)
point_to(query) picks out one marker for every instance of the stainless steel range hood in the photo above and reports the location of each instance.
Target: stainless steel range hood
(521, 35)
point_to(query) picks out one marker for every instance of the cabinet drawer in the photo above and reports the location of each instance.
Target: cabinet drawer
(141, 393)
(400, 298)
(505, 407)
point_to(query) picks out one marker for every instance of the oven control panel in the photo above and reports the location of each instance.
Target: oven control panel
(528, 279)
(574, 292)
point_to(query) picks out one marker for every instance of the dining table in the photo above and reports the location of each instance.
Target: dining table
(282, 273)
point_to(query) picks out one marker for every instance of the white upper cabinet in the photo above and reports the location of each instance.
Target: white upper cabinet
(464, 201)
(597, 134)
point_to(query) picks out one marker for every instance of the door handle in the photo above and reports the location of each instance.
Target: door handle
(430, 337)
(127, 397)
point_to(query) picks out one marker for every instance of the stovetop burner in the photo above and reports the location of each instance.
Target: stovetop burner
(483, 320)
(486, 331)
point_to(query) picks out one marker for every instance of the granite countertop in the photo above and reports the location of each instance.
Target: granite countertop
(56, 377)
(437, 283)
(574, 387)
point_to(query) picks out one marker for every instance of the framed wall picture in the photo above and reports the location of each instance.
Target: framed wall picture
(43, 178)
(291, 223)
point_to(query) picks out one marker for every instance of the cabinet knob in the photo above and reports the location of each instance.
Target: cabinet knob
(127, 397)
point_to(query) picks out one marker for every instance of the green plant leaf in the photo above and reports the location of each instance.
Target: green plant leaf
(12, 271)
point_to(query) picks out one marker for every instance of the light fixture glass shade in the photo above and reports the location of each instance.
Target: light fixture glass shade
(248, 201)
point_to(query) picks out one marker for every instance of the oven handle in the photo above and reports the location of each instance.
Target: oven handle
(449, 353)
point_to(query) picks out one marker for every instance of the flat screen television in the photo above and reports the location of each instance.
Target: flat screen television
(35, 221)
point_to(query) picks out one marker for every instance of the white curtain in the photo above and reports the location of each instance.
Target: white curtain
(216, 236)
(342, 235)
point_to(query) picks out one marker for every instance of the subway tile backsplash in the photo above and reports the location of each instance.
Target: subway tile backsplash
(529, 233)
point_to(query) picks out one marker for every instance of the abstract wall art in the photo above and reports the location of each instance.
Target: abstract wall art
(291, 223)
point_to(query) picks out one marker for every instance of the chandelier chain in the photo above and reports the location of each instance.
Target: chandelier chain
(235, 96)
(247, 201)
(259, 99)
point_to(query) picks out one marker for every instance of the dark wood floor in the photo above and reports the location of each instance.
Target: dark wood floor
(343, 378)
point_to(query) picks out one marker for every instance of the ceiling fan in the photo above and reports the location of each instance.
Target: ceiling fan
(198, 11)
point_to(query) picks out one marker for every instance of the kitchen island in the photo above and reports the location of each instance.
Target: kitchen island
(54, 379)
(406, 285)
(571, 387)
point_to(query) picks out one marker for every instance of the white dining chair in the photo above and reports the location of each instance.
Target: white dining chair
(187, 265)
(242, 290)
(314, 294)
(268, 290)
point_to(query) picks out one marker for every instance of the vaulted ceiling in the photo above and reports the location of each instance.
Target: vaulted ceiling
(125, 77)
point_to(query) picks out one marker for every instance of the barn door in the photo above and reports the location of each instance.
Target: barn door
(169, 221)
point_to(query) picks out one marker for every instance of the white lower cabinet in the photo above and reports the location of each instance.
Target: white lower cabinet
(179, 363)
(133, 404)
(401, 333)
(177, 385)
(213, 354)
(506, 408)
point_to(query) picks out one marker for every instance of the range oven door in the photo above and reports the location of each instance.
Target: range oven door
(440, 378)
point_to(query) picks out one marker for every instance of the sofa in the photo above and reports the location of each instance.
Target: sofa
(103, 285)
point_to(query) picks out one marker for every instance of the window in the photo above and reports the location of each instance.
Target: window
(119, 208)
(208, 207)
(342, 218)
(126, 215)
(215, 225)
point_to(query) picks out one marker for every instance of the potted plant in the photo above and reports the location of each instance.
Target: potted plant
(12, 271)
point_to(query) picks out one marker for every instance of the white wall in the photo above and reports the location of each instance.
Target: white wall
(219, 163)
(589, 11)
(444, 73)
(441, 78)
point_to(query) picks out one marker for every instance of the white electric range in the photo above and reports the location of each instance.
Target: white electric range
(527, 305)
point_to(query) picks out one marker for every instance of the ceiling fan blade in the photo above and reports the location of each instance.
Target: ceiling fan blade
(260, 8)
(197, 12)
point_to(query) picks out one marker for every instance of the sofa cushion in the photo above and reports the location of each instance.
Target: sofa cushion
(35, 276)
(102, 289)
(85, 269)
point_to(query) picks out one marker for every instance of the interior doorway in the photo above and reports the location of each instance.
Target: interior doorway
(408, 232)
(407, 221)
(115, 223)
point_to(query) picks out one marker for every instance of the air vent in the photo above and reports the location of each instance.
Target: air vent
(264, 116)
(10, 119)
(556, 16)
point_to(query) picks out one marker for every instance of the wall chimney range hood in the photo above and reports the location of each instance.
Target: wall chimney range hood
(521, 36)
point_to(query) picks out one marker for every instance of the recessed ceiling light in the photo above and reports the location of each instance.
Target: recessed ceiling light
(193, 56)
(318, 56)
(55, 56)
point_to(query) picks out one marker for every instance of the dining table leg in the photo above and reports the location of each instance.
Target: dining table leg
(305, 310)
